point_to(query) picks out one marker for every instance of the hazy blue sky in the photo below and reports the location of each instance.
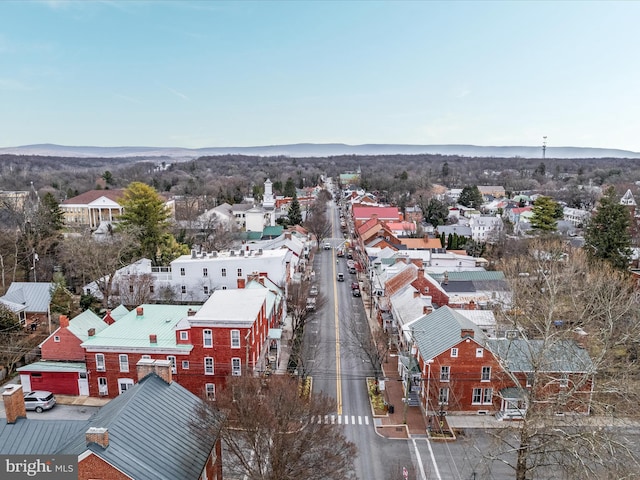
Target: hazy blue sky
(197, 74)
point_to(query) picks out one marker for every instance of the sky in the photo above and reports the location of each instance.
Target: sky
(221, 74)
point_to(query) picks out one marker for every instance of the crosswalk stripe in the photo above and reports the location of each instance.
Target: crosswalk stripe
(353, 419)
(359, 420)
(366, 420)
(333, 419)
(339, 419)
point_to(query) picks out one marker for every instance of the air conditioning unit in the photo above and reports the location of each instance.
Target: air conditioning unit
(236, 374)
(511, 334)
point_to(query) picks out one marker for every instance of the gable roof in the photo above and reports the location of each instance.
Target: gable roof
(521, 355)
(119, 312)
(93, 195)
(36, 296)
(440, 330)
(152, 432)
(421, 243)
(37, 437)
(383, 213)
(132, 330)
(80, 324)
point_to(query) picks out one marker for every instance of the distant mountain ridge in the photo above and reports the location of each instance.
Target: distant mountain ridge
(318, 150)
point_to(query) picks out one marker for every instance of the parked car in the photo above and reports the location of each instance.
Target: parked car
(340, 253)
(340, 277)
(39, 400)
(327, 246)
(356, 292)
(350, 253)
(313, 291)
(355, 286)
(311, 303)
(352, 269)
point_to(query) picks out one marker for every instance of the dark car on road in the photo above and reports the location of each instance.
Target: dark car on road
(355, 286)
(356, 292)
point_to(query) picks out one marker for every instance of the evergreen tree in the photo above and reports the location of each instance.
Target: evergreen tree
(545, 213)
(471, 197)
(442, 238)
(294, 213)
(146, 218)
(450, 241)
(607, 236)
(289, 188)
(436, 212)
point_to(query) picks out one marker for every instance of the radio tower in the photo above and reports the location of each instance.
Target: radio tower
(544, 147)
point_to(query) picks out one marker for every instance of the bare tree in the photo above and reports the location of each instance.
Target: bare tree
(86, 259)
(271, 430)
(567, 311)
(317, 222)
(135, 289)
(370, 344)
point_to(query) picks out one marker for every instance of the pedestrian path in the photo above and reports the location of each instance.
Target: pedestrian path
(356, 420)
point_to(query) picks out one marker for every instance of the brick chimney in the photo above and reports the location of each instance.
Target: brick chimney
(163, 370)
(191, 312)
(139, 312)
(427, 309)
(99, 436)
(153, 338)
(416, 294)
(467, 332)
(64, 321)
(144, 367)
(13, 399)
(91, 332)
(421, 273)
(241, 283)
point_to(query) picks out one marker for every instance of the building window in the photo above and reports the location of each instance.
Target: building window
(183, 289)
(486, 374)
(208, 365)
(210, 389)
(130, 288)
(487, 396)
(454, 352)
(184, 335)
(224, 272)
(182, 272)
(205, 272)
(239, 272)
(224, 287)
(185, 364)
(445, 372)
(172, 359)
(479, 352)
(207, 338)
(56, 339)
(206, 290)
(236, 367)
(124, 363)
(529, 380)
(151, 289)
(235, 338)
(146, 357)
(482, 396)
(100, 362)
(103, 390)
(443, 396)
(124, 384)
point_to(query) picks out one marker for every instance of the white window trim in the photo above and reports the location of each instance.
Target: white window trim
(213, 367)
(185, 364)
(124, 366)
(236, 372)
(238, 338)
(204, 338)
(174, 363)
(442, 376)
(454, 352)
(100, 365)
(184, 335)
(479, 352)
(482, 379)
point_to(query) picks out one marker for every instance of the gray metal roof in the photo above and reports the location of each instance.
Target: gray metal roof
(440, 330)
(151, 433)
(473, 275)
(38, 437)
(522, 355)
(36, 296)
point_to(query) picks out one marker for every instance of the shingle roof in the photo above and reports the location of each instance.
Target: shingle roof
(36, 296)
(440, 330)
(152, 432)
(132, 331)
(522, 355)
(92, 195)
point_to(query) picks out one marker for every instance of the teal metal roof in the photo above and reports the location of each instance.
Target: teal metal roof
(473, 275)
(119, 312)
(273, 231)
(523, 355)
(132, 331)
(81, 324)
(49, 366)
(440, 330)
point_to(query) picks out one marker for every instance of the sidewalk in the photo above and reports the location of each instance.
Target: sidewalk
(405, 421)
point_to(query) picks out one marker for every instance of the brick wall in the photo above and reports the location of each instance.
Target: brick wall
(68, 348)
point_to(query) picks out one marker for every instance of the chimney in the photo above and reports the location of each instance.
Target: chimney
(467, 332)
(99, 436)
(163, 370)
(193, 254)
(153, 338)
(427, 309)
(287, 235)
(91, 332)
(416, 294)
(13, 399)
(139, 312)
(64, 321)
(241, 253)
(191, 312)
(445, 278)
(241, 283)
(421, 273)
(144, 367)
